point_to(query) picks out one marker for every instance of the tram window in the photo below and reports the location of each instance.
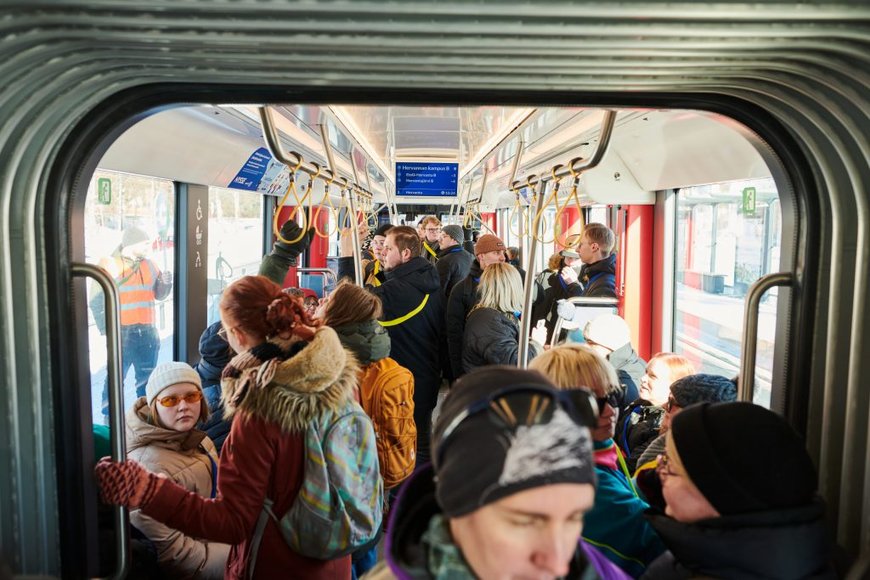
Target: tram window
(130, 231)
(725, 242)
(235, 240)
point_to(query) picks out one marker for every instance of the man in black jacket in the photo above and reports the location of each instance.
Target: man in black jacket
(598, 274)
(454, 262)
(413, 316)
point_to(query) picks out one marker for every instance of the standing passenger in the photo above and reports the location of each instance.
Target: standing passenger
(616, 524)
(373, 270)
(414, 316)
(492, 331)
(598, 274)
(488, 250)
(453, 261)
(431, 228)
(609, 336)
(162, 436)
(287, 373)
(506, 495)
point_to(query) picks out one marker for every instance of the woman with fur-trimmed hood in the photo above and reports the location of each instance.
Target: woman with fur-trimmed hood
(287, 373)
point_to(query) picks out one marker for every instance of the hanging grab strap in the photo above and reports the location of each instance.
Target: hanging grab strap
(412, 314)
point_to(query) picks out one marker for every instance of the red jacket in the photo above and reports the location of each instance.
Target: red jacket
(263, 456)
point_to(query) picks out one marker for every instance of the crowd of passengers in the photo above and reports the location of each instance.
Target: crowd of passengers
(591, 464)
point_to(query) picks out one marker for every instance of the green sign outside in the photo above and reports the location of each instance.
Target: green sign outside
(104, 191)
(749, 201)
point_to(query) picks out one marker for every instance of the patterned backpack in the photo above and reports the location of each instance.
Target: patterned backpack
(387, 395)
(340, 504)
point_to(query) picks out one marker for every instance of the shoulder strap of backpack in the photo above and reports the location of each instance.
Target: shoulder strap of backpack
(259, 529)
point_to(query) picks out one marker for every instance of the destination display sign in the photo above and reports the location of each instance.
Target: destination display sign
(426, 179)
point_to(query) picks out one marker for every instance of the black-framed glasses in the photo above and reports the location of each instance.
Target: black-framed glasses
(527, 405)
(610, 399)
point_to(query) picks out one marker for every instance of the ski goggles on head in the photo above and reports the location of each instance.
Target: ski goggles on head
(526, 405)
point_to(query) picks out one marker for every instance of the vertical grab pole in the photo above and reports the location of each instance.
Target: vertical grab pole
(116, 399)
(357, 251)
(746, 378)
(529, 284)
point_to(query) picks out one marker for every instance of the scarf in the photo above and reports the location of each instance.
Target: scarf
(254, 369)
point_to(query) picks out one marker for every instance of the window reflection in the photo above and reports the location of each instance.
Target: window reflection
(723, 246)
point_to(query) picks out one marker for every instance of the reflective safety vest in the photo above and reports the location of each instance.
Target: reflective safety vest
(373, 280)
(430, 250)
(136, 287)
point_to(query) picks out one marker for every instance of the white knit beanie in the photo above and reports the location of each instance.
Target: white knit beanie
(608, 330)
(168, 374)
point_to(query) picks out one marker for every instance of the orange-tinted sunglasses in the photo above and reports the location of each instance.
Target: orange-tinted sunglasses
(174, 400)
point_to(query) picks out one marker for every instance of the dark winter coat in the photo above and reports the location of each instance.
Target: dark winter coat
(214, 354)
(407, 555)
(462, 299)
(639, 424)
(599, 278)
(368, 341)
(427, 254)
(557, 289)
(492, 338)
(453, 266)
(417, 343)
(776, 545)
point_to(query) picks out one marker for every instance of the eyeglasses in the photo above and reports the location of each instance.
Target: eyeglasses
(527, 405)
(222, 332)
(665, 467)
(174, 400)
(610, 399)
(433, 230)
(671, 404)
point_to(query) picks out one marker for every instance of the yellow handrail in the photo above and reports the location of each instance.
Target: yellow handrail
(291, 187)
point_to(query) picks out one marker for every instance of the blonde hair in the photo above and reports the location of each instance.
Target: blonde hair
(678, 365)
(501, 288)
(601, 235)
(577, 365)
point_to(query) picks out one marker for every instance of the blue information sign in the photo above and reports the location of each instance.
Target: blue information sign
(252, 172)
(426, 179)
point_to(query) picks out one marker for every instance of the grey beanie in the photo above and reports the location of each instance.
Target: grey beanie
(168, 374)
(481, 456)
(133, 236)
(454, 232)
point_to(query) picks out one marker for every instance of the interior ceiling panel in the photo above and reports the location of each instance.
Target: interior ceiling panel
(64, 61)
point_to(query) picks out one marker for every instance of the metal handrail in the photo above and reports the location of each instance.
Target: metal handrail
(580, 301)
(326, 272)
(295, 160)
(117, 431)
(557, 173)
(746, 378)
(526, 318)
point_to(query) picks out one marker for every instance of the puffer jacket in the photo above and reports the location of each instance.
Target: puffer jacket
(776, 544)
(270, 405)
(599, 278)
(190, 460)
(407, 553)
(639, 424)
(492, 338)
(214, 354)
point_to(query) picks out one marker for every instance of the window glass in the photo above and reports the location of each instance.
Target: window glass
(727, 238)
(130, 232)
(235, 240)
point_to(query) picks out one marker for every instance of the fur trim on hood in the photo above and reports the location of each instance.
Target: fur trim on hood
(292, 390)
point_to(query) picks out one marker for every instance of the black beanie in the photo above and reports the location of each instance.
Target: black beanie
(744, 458)
(382, 230)
(485, 459)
